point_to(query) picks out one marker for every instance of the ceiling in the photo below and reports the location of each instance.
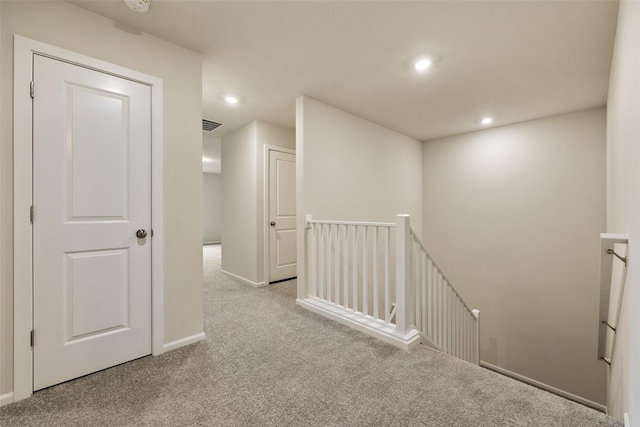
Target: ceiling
(512, 60)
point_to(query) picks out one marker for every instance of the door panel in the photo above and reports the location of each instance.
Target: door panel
(285, 187)
(92, 191)
(99, 122)
(282, 216)
(286, 247)
(95, 305)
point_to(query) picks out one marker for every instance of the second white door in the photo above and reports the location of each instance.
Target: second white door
(282, 216)
(92, 193)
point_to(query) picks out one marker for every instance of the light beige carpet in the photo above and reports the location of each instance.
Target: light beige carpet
(267, 362)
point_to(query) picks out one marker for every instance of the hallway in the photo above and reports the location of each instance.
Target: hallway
(268, 362)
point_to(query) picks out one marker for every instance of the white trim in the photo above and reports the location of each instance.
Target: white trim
(184, 342)
(244, 280)
(6, 399)
(212, 243)
(358, 223)
(22, 232)
(546, 387)
(302, 290)
(627, 423)
(374, 327)
(157, 214)
(265, 210)
(24, 49)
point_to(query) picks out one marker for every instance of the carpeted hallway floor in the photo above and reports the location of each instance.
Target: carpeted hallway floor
(267, 362)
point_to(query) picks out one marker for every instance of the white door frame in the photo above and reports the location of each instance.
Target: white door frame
(265, 210)
(24, 49)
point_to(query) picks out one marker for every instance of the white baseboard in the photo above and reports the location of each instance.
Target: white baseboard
(212, 243)
(5, 399)
(183, 342)
(366, 324)
(242, 279)
(546, 387)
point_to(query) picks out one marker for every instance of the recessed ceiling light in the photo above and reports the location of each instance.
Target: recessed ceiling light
(487, 120)
(231, 99)
(138, 5)
(423, 64)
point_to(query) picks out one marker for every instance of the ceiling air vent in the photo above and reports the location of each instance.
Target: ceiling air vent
(210, 125)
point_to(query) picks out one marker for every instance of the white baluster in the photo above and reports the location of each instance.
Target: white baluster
(321, 266)
(452, 318)
(456, 324)
(449, 318)
(355, 268)
(430, 305)
(470, 335)
(365, 272)
(416, 285)
(345, 266)
(423, 282)
(387, 279)
(440, 311)
(445, 317)
(460, 311)
(329, 277)
(376, 291)
(336, 266)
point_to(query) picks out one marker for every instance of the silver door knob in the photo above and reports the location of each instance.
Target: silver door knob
(273, 223)
(141, 234)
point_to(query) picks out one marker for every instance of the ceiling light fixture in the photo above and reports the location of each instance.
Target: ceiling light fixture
(206, 160)
(231, 99)
(138, 5)
(487, 121)
(422, 64)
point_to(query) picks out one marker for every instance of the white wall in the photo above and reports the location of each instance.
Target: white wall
(211, 207)
(513, 216)
(239, 210)
(212, 150)
(243, 224)
(6, 249)
(623, 204)
(351, 169)
(65, 25)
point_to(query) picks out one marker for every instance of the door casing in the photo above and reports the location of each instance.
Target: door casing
(265, 210)
(24, 49)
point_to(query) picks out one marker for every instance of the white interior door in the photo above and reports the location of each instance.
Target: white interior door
(92, 192)
(282, 216)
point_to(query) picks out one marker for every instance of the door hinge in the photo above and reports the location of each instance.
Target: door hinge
(31, 338)
(31, 214)
(31, 91)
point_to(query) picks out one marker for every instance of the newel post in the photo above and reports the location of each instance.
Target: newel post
(476, 314)
(309, 256)
(404, 287)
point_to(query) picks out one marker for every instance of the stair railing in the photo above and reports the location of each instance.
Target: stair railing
(379, 278)
(350, 265)
(430, 303)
